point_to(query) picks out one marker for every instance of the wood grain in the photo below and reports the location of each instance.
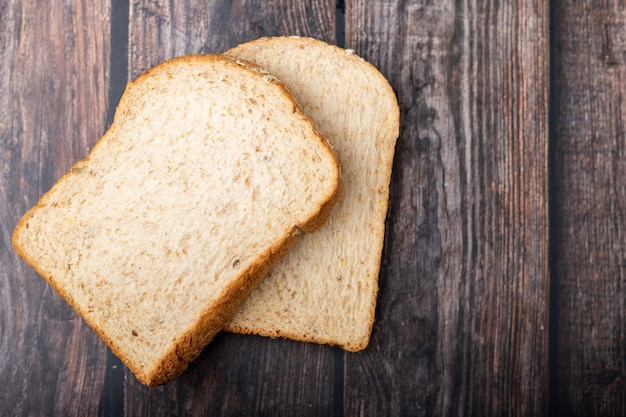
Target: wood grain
(462, 317)
(589, 116)
(243, 375)
(462, 321)
(53, 101)
(162, 30)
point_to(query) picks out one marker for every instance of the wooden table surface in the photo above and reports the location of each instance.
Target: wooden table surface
(503, 281)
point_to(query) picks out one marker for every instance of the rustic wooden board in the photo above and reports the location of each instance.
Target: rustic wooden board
(463, 314)
(589, 206)
(54, 89)
(462, 321)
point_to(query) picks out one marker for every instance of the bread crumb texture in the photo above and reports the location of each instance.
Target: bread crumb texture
(156, 237)
(325, 289)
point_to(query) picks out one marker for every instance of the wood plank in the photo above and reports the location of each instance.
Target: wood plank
(462, 317)
(53, 102)
(589, 111)
(239, 375)
(235, 375)
(162, 30)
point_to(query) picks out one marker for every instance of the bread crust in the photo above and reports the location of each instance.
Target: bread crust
(188, 345)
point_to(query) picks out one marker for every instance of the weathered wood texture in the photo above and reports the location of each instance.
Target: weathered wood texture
(463, 311)
(162, 30)
(53, 105)
(462, 320)
(589, 207)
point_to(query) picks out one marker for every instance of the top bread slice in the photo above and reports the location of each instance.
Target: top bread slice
(207, 175)
(325, 289)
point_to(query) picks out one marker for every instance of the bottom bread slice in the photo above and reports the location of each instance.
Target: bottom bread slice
(206, 177)
(325, 289)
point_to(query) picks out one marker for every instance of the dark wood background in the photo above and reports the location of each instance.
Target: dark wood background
(503, 283)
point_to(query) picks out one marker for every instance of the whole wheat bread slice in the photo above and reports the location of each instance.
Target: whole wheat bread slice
(207, 175)
(325, 289)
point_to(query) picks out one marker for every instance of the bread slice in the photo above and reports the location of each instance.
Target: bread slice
(325, 289)
(207, 175)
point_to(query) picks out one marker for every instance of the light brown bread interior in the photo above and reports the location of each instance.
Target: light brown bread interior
(206, 177)
(325, 289)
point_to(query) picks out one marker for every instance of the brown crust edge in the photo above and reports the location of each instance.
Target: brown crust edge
(193, 341)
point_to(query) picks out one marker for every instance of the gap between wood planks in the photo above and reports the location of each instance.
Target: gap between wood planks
(553, 225)
(112, 400)
(339, 355)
